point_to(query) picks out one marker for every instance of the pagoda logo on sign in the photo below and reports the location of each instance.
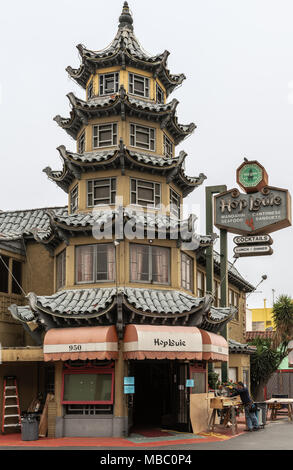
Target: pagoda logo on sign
(262, 209)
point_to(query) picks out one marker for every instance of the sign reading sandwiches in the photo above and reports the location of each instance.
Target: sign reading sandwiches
(262, 212)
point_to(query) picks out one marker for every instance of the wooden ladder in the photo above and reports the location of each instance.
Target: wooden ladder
(11, 411)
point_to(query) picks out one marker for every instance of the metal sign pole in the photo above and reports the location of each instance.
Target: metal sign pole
(224, 291)
(210, 190)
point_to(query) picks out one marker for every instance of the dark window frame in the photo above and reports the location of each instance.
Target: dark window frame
(4, 275)
(92, 184)
(133, 80)
(150, 250)
(81, 143)
(138, 184)
(168, 147)
(187, 264)
(95, 269)
(74, 196)
(149, 132)
(160, 95)
(175, 203)
(97, 130)
(200, 290)
(11, 270)
(61, 269)
(90, 90)
(103, 83)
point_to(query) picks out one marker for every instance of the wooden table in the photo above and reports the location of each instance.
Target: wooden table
(274, 404)
(228, 406)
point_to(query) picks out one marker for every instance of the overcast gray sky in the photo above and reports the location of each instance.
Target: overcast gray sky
(238, 59)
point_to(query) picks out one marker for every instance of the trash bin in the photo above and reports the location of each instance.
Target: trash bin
(29, 427)
(262, 413)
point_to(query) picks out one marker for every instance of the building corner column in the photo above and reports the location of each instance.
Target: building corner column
(120, 419)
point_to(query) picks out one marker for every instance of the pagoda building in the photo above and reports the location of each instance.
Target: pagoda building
(122, 323)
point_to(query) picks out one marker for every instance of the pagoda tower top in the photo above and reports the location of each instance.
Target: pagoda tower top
(124, 50)
(125, 18)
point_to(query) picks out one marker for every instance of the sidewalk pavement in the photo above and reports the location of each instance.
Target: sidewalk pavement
(155, 437)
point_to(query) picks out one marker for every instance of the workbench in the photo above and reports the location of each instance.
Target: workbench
(228, 406)
(274, 405)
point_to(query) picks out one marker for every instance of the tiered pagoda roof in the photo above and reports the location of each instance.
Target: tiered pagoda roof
(123, 104)
(54, 225)
(124, 50)
(74, 164)
(98, 306)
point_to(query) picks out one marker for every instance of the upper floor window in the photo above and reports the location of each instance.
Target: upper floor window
(149, 264)
(143, 137)
(10, 275)
(104, 135)
(234, 301)
(139, 85)
(101, 191)
(95, 263)
(200, 284)
(186, 272)
(81, 143)
(74, 199)
(109, 83)
(90, 90)
(145, 193)
(60, 269)
(160, 94)
(168, 147)
(175, 202)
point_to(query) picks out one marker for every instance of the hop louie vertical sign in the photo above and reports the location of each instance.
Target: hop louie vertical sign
(262, 209)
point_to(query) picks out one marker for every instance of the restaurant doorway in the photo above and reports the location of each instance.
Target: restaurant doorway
(161, 398)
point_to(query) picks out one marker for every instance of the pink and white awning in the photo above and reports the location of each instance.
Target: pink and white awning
(91, 342)
(162, 342)
(214, 347)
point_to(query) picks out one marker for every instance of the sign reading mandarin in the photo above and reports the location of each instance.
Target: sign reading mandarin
(265, 211)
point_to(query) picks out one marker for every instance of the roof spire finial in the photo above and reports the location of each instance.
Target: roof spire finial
(125, 19)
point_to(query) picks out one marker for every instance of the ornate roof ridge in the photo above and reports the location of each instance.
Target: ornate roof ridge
(124, 103)
(125, 47)
(97, 303)
(74, 163)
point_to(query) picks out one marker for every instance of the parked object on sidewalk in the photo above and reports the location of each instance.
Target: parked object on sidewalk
(11, 410)
(29, 427)
(275, 406)
(44, 418)
(262, 413)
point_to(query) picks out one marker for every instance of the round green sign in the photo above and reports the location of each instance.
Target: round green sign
(250, 175)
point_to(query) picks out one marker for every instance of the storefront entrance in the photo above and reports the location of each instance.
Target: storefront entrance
(161, 397)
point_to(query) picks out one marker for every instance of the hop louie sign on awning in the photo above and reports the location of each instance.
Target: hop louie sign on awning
(262, 209)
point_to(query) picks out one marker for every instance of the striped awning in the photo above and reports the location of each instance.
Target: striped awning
(162, 342)
(93, 342)
(214, 347)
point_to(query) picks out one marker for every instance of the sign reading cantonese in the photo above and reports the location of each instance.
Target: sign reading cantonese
(262, 209)
(259, 213)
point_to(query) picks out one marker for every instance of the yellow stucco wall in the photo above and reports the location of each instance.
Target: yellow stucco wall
(263, 315)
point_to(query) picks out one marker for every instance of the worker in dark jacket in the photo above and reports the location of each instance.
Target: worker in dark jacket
(249, 406)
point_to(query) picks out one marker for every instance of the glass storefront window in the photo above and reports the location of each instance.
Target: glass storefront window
(83, 387)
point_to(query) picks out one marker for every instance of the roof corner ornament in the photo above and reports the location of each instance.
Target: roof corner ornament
(32, 300)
